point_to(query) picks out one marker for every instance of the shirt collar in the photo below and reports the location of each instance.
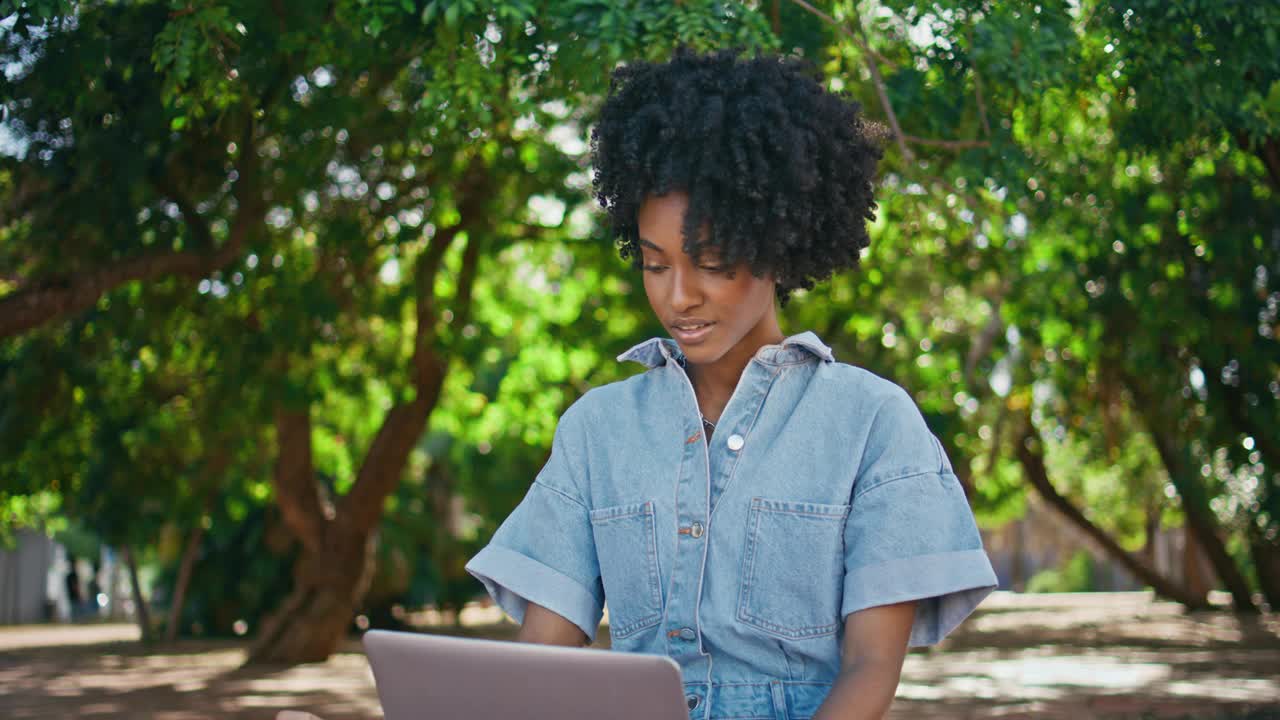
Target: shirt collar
(657, 351)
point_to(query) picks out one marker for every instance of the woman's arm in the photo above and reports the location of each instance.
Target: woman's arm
(875, 644)
(547, 628)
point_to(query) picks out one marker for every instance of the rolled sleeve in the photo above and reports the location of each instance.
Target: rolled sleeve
(544, 552)
(911, 535)
(529, 560)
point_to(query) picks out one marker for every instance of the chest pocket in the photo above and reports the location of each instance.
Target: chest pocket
(793, 568)
(627, 547)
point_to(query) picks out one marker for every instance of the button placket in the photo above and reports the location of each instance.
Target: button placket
(736, 422)
(680, 621)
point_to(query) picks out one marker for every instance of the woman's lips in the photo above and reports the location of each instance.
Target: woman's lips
(692, 337)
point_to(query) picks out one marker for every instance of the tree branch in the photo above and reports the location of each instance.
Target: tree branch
(405, 422)
(50, 300)
(874, 59)
(297, 495)
(466, 281)
(32, 307)
(946, 144)
(1026, 447)
(27, 190)
(873, 65)
(985, 341)
(843, 30)
(200, 231)
(982, 104)
(1195, 504)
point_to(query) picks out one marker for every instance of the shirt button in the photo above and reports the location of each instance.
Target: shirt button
(735, 442)
(696, 530)
(687, 633)
(692, 700)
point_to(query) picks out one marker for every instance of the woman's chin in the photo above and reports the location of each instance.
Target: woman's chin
(701, 354)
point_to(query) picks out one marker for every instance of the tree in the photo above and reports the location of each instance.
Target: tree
(337, 175)
(345, 262)
(1069, 228)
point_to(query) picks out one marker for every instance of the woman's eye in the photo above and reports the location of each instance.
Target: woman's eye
(653, 268)
(714, 268)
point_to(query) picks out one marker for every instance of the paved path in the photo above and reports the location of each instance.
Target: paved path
(21, 637)
(1114, 655)
(1064, 656)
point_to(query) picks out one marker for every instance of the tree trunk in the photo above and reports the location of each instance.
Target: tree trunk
(183, 580)
(329, 585)
(336, 565)
(216, 469)
(1151, 530)
(1266, 564)
(1265, 553)
(1195, 503)
(1018, 579)
(139, 603)
(335, 568)
(1196, 574)
(1203, 525)
(1031, 457)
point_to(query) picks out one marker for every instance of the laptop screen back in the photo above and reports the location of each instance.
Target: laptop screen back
(430, 676)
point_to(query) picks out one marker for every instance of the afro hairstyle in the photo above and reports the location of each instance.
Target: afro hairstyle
(779, 169)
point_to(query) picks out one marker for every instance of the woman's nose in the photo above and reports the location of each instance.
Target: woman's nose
(686, 292)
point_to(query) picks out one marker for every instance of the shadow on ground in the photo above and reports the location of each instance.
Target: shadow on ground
(1078, 657)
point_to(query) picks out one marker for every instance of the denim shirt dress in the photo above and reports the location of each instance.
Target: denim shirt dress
(820, 493)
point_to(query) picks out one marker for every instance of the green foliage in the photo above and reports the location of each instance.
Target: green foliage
(1094, 251)
(1075, 575)
(243, 568)
(325, 144)
(40, 509)
(1094, 255)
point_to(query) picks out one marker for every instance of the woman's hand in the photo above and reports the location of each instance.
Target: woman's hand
(544, 627)
(875, 644)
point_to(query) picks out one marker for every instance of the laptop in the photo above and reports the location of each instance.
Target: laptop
(430, 677)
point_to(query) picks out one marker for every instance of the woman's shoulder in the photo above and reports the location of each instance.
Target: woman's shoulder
(855, 381)
(897, 439)
(884, 411)
(610, 400)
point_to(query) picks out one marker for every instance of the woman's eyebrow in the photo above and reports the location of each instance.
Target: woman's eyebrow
(651, 246)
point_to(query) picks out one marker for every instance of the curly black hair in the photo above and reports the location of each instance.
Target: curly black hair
(779, 168)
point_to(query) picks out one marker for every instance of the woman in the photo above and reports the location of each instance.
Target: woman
(781, 524)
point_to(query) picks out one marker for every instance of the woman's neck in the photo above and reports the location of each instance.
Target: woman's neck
(714, 383)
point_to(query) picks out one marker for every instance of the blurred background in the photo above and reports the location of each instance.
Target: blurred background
(292, 295)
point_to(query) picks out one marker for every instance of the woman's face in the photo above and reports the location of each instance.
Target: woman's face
(731, 306)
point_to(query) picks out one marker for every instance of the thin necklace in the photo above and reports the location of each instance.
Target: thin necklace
(708, 423)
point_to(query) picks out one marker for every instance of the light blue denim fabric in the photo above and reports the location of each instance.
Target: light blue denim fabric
(822, 492)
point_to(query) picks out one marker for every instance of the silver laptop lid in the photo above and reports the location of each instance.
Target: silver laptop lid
(434, 677)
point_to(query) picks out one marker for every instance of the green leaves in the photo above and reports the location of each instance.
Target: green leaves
(316, 150)
(197, 53)
(1090, 195)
